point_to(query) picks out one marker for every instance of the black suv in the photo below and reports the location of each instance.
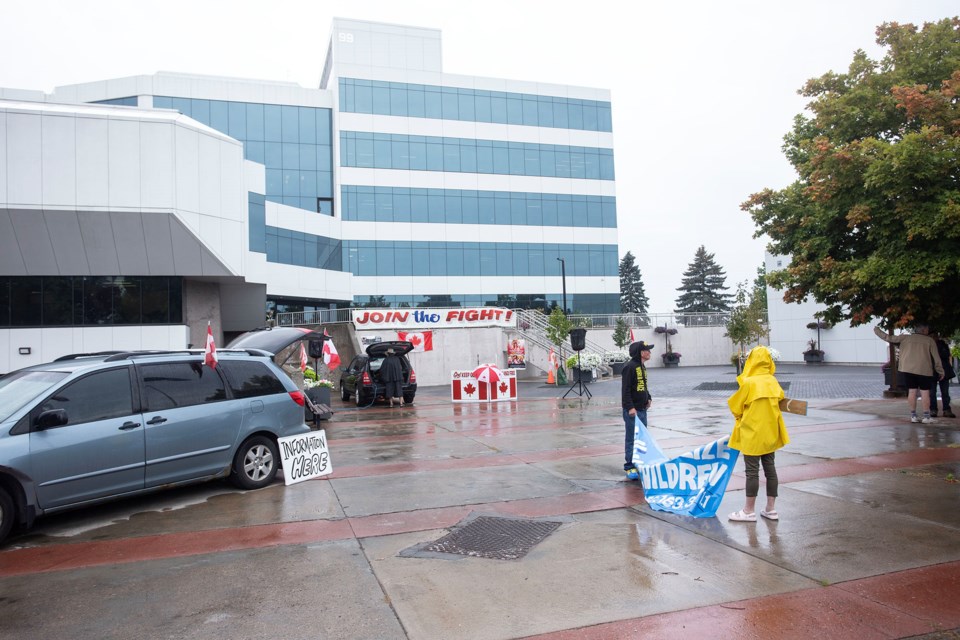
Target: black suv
(361, 378)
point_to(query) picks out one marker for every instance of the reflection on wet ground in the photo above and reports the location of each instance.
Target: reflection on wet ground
(863, 493)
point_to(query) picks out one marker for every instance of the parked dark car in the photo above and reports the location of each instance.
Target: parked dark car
(87, 428)
(361, 378)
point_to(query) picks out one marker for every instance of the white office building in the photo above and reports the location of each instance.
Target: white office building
(135, 210)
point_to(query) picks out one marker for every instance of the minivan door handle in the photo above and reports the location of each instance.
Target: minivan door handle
(156, 420)
(126, 426)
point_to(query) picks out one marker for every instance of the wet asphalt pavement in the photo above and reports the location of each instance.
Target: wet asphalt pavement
(868, 544)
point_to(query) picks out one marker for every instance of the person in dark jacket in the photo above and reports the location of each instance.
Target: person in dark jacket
(635, 400)
(391, 374)
(948, 374)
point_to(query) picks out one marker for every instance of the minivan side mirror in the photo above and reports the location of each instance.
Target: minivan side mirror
(51, 418)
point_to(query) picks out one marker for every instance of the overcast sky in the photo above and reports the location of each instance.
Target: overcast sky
(702, 91)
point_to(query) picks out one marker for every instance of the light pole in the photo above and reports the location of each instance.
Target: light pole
(563, 274)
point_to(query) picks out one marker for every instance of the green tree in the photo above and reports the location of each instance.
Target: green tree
(621, 333)
(633, 296)
(558, 328)
(703, 285)
(872, 224)
(747, 322)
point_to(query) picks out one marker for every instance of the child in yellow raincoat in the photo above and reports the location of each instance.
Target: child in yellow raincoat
(759, 430)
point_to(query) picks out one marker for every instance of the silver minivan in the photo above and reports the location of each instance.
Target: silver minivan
(92, 427)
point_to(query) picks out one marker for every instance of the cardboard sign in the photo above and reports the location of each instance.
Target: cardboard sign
(304, 456)
(798, 407)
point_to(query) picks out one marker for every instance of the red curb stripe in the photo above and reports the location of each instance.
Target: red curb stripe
(126, 550)
(877, 607)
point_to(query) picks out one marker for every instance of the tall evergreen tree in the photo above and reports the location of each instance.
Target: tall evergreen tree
(759, 295)
(633, 297)
(703, 286)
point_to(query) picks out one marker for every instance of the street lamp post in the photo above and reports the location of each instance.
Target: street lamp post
(563, 274)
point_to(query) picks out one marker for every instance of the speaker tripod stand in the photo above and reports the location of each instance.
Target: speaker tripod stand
(578, 385)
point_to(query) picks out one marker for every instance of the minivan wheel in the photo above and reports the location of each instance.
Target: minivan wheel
(343, 393)
(255, 465)
(360, 402)
(7, 514)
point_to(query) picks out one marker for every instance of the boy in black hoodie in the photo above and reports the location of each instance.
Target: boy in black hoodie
(635, 400)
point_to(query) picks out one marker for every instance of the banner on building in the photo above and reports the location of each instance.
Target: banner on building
(421, 340)
(419, 319)
(691, 484)
(517, 353)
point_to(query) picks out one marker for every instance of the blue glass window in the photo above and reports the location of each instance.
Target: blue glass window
(454, 206)
(292, 142)
(458, 103)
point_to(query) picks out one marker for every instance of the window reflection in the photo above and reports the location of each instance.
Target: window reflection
(292, 142)
(51, 301)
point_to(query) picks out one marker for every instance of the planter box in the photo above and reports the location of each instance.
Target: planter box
(813, 357)
(617, 367)
(670, 361)
(888, 379)
(582, 375)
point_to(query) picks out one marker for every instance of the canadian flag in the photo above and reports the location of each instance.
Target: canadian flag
(633, 334)
(210, 351)
(421, 340)
(552, 360)
(303, 357)
(330, 356)
(466, 389)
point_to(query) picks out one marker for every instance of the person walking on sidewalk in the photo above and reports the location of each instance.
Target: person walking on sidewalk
(758, 431)
(948, 374)
(920, 364)
(635, 399)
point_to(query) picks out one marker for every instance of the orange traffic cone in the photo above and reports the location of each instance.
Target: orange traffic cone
(550, 379)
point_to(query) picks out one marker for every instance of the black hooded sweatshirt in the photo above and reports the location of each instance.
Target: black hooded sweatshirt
(634, 391)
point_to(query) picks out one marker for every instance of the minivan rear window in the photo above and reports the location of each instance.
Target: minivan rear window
(19, 388)
(251, 379)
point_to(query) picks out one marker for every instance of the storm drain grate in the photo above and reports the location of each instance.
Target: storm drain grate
(727, 386)
(494, 538)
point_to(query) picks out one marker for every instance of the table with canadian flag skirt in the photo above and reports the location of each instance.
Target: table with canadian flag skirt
(486, 383)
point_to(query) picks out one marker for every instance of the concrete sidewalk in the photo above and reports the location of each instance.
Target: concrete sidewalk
(868, 544)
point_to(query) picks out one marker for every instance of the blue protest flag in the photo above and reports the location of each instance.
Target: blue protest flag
(691, 484)
(645, 448)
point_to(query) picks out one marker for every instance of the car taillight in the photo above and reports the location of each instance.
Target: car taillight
(413, 377)
(297, 397)
(365, 380)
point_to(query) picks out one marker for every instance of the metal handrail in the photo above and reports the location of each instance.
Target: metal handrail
(533, 325)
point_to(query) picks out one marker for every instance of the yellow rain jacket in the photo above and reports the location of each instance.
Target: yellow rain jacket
(756, 406)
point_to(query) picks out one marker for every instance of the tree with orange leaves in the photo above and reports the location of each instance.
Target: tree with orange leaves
(872, 224)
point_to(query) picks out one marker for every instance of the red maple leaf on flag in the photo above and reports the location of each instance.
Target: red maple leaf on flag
(415, 340)
(503, 387)
(469, 389)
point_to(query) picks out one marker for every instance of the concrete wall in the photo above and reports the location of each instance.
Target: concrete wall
(201, 304)
(466, 348)
(51, 343)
